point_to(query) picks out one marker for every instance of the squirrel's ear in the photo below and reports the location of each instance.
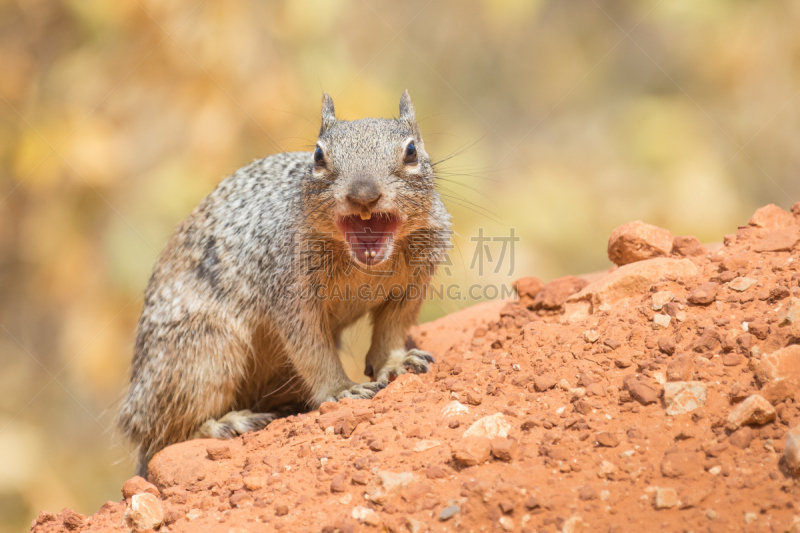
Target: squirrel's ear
(407, 108)
(328, 113)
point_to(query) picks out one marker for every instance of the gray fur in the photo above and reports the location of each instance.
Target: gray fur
(224, 340)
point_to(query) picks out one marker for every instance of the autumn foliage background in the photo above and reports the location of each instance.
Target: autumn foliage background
(567, 118)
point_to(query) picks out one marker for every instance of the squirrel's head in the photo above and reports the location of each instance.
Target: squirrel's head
(371, 181)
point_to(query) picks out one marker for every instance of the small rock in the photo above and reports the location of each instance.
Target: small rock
(338, 483)
(591, 336)
(708, 341)
(681, 397)
(44, 517)
(749, 518)
(281, 509)
(790, 313)
(682, 463)
(506, 523)
(680, 368)
(173, 515)
(693, 498)
(688, 246)
(641, 391)
(607, 468)
(544, 382)
(327, 407)
(471, 451)
(473, 398)
(454, 408)
(741, 284)
(593, 389)
(72, 520)
(449, 512)
(365, 515)
(332, 418)
(345, 425)
(555, 294)
(770, 217)
(144, 512)
(254, 482)
(504, 449)
(575, 524)
(583, 407)
(661, 321)
(491, 427)
(632, 281)
(360, 477)
(715, 450)
(666, 498)
(424, 445)
(742, 437)
(778, 374)
(759, 329)
(792, 451)
(532, 503)
(703, 294)
(218, 452)
(779, 240)
(637, 241)
(414, 526)
(194, 514)
(384, 485)
(527, 289)
(507, 506)
(666, 345)
(623, 361)
(607, 439)
(138, 485)
(753, 410)
(587, 493)
(779, 292)
(612, 343)
(660, 299)
(732, 359)
(241, 499)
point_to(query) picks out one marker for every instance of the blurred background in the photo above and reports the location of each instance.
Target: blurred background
(566, 119)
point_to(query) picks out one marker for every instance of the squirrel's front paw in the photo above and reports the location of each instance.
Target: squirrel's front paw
(233, 424)
(359, 391)
(414, 360)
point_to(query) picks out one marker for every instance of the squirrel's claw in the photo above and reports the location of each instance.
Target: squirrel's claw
(233, 424)
(359, 391)
(414, 361)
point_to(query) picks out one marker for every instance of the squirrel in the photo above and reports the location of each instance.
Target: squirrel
(244, 311)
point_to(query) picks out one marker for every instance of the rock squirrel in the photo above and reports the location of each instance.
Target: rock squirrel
(243, 313)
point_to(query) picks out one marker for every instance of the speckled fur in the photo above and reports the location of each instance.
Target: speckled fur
(224, 341)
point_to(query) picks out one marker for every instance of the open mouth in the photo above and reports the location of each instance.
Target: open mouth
(369, 236)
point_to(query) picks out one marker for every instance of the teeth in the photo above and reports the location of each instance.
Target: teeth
(366, 215)
(366, 253)
(372, 253)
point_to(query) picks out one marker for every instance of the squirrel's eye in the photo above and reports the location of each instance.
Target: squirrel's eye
(411, 153)
(319, 159)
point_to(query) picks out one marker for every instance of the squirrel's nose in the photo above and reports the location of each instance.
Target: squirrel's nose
(364, 194)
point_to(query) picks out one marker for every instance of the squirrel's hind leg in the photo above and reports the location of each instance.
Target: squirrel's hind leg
(233, 424)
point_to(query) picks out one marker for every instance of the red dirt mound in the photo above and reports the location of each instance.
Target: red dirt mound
(658, 395)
